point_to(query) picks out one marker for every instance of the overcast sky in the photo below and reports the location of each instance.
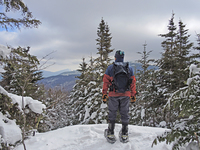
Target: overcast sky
(69, 27)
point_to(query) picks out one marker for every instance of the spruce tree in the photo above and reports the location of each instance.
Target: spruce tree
(167, 63)
(17, 5)
(85, 99)
(174, 63)
(198, 46)
(187, 99)
(20, 77)
(83, 69)
(86, 96)
(167, 66)
(103, 47)
(91, 70)
(57, 110)
(77, 95)
(144, 110)
(175, 59)
(22, 73)
(144, 72)
(97, 110)
(182, 56)
(195, 57)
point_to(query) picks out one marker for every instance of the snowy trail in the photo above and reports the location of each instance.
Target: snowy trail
(90, 137)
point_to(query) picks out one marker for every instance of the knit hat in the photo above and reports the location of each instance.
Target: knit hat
(119, 55)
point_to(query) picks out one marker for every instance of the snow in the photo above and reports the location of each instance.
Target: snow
(142, 113)
(162, 124)
(94, 114)
(87, 112)
(91, 137)
(4, 51)
(35, 105)
(103, 105)
(194, 69)
(9, 130)
(92, 82)
(192, 146)
(189, 80)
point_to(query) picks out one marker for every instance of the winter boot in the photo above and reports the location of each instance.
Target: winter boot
(109, 133)
(123, 134)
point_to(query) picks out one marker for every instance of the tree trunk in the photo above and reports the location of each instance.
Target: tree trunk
(24, 119)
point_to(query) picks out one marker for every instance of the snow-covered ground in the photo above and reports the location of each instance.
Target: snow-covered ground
(90, 137)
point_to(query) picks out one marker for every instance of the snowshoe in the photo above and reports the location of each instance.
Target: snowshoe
(123, 137)
(109, 137)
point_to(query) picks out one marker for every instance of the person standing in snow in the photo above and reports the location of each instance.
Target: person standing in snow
(119, 97)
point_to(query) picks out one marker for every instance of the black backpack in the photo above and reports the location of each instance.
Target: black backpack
(121, 77)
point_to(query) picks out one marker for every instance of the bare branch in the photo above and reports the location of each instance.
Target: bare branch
(42, 67)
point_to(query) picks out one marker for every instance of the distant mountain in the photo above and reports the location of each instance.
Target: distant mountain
(49, 73)
(66, 80)
(138, 66)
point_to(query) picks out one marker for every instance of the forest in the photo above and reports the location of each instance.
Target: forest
(167, 97)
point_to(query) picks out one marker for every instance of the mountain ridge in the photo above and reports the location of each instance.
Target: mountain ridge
(66, 79)
(50, 73)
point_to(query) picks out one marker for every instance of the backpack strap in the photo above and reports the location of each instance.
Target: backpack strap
(128, 76)
(113, 87)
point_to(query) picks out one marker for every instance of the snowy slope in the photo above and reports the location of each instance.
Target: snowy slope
(90, 137)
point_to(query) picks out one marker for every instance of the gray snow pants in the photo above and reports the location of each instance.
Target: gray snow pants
(121, 103)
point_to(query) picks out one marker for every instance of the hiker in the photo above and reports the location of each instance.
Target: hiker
(119, 79)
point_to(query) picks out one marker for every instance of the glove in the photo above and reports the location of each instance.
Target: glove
(133, 99)
(105, 98)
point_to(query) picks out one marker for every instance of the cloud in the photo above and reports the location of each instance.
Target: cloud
(69, 27)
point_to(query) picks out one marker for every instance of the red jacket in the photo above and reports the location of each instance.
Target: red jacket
(107, 81)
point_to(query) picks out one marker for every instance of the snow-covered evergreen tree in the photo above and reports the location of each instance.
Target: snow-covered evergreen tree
(196, 56)
(94, 110)
(167, 63)
(173, 64)
(183, 60)
(187, 99)
(57, 110)
(104, 49)
(22, 73)
(77, 95)
(86, 96)
(85, 99)
(145, 112)
(21, 76)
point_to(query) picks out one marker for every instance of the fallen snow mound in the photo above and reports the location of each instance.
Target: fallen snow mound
(90, 137)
